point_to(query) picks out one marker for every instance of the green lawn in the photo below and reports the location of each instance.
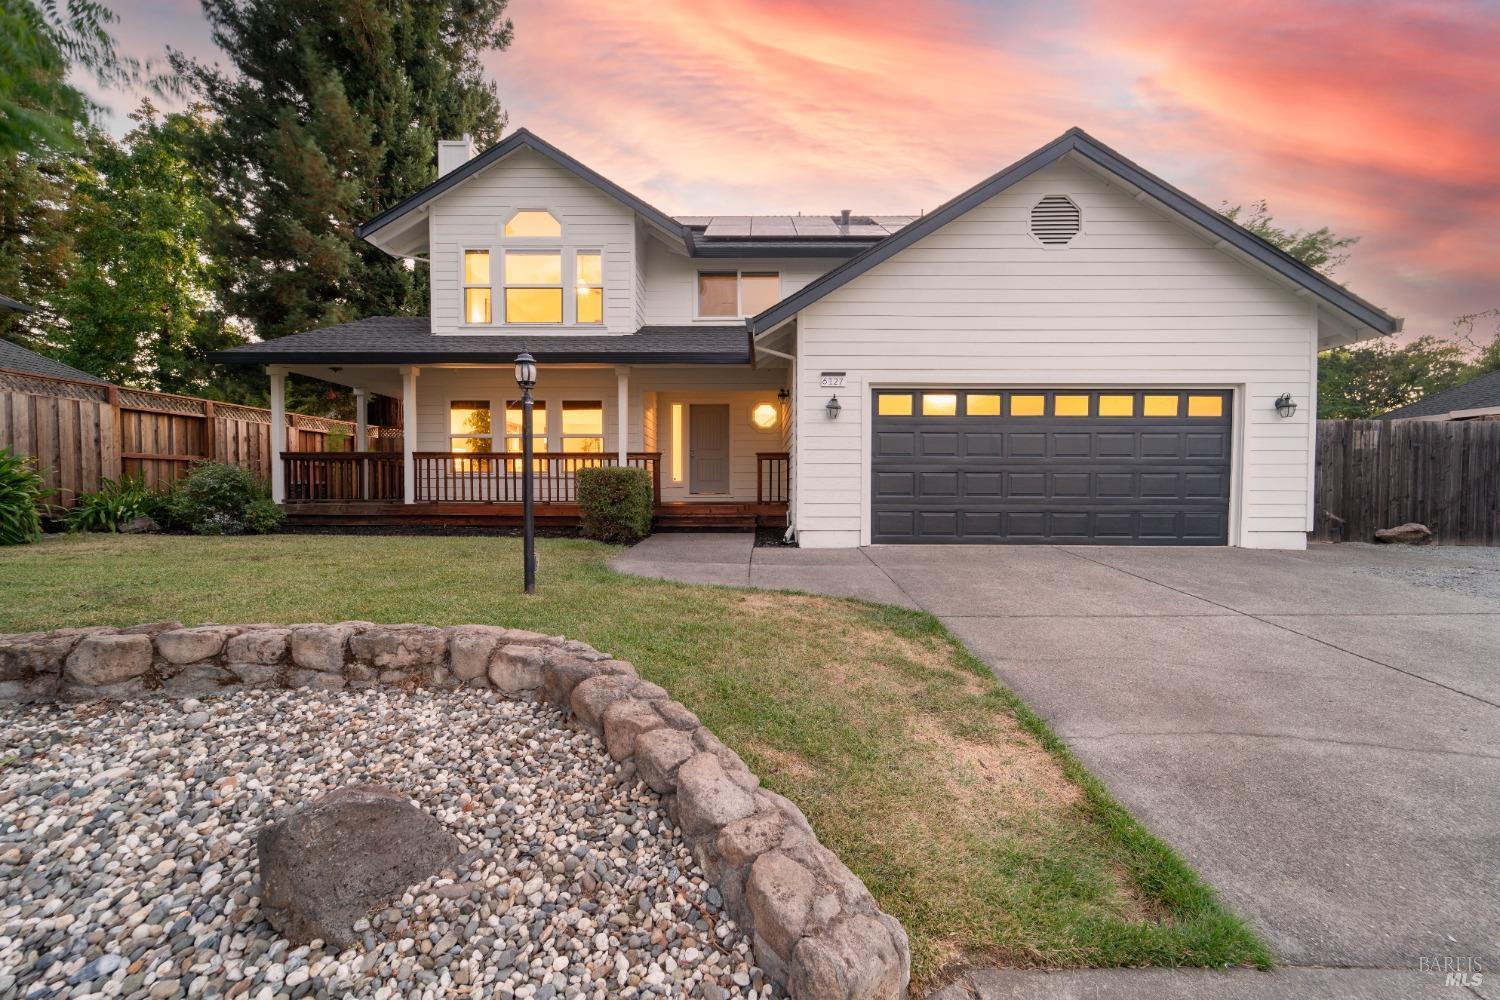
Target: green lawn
(963, 814)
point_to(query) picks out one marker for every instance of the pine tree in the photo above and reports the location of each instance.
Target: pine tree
(332, 113)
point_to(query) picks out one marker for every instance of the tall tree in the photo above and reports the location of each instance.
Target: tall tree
(139, 307)
(332, 113)
(1366, 381)
(36, 244)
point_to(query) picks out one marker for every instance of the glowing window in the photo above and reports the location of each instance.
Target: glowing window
(677, 443)
(589, 290)
(583, 427)
(1116, 406)
(533, 287)
(982, 405)
(764, 416)
(1027, 406)
(513, 427)
(759, 291)
(939, 405)
(469, 432)
(1205, 406)
(1070, 406)
(533, 223)
(1160, 406)
(737, 293)
(893, 405)
(477, 289)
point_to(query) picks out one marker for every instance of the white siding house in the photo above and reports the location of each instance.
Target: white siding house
(1072, 350)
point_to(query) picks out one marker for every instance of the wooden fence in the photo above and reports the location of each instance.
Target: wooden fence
(1374, 474)
(82, 432)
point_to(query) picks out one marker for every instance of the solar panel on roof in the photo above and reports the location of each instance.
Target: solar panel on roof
(728, 227)
(772, 226)
(814, 225)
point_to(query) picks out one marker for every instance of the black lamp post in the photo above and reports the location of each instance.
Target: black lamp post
(526, 379)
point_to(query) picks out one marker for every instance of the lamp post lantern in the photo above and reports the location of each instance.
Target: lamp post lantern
(526, 379)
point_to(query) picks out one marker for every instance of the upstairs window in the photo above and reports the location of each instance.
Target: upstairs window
(477, 286)
(583, 426)
(534, 224)
(533, 286)
(589, 290)
(733, 294)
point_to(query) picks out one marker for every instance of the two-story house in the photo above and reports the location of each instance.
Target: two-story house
(1072, 350)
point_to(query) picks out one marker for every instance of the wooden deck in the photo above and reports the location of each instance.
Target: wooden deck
(384, 513)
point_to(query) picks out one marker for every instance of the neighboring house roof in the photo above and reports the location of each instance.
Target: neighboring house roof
(1077, 141)
(1482, 393)
(410, 340)
(520, 139)
(8, 304)
(17, 358)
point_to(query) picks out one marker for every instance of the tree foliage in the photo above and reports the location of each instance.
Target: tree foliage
(332, 112)
(1320, 249)
(139, 306)
(1366, 381)
(36, 243)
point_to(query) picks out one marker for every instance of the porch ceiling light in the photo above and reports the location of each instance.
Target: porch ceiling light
(833, 407)
(764, 416)
(525, 370)
(1285, 405)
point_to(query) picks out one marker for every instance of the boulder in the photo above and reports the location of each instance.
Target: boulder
(746, 839)
(318, 680)
(106, 660)
(563, 672)
(658, 754)
(398, 647)
(25, 656)
(1410, 533)
(321, 647)
(780, 893)
(860, 956)
(259, 645)
(707, 800)
(329, 862)
(591, 697)
(188, 645)
(626, 719)
(469, 649)
(143, 525)
(201, 678)
(516, 667)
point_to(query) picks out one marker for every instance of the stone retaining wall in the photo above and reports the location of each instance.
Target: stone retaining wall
(816, 928)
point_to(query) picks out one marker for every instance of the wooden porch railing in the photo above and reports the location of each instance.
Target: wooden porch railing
(496, 477)
(338, 476)
(773, 477)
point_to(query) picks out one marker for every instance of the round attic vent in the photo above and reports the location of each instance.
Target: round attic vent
(1055, 220)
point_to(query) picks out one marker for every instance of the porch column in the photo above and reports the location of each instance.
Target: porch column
(361, 419)
(409, 433)
(278, 432)
(622, 412)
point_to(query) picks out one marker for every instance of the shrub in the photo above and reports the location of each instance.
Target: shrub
(615, 503)
(218, 499)
(21, 493)
(117, 503)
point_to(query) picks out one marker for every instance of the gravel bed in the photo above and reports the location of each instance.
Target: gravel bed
(1470, 570)
(127, 854)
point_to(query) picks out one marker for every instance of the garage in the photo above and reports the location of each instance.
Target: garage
(1051, 466)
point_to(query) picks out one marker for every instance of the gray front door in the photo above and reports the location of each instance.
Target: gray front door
(1058, 466)
(708, 448)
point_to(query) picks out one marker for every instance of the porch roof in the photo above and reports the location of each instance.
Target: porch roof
(409, 340)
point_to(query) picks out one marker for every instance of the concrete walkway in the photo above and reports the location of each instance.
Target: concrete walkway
(1317, 732)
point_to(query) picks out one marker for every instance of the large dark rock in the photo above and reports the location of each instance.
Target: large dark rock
(1410, 533)
(329, 862)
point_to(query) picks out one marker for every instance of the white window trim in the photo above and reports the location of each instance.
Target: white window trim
(577, 284)
(739, 296)
(563, 435)
(464, 285)
(504, 435)
(450, 435)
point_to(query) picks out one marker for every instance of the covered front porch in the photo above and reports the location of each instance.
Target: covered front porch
(712, 439)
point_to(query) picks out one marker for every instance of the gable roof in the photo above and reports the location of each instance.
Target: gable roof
(18, 359)
(1075, 140)
(1480, 393)
(521, 139)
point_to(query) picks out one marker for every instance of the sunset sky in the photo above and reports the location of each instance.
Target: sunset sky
(1378, 119)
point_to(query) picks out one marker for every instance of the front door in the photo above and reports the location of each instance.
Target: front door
(708, 448)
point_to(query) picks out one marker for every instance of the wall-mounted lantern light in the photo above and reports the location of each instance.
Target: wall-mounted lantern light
(832, 408)
(1285, 405)
(783, 394)
(763, 416)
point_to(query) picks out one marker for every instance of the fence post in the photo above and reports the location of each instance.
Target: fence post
(210, 432)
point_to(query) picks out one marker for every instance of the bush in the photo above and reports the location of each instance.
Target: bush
(218, 499)
(615, 503)
(117, 503)
(21, 493)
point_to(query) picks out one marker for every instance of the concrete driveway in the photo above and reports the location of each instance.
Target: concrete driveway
(1317, 732)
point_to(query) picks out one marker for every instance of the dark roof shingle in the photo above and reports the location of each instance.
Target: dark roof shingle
(19, 359)
(1475, 394)
(410, 340)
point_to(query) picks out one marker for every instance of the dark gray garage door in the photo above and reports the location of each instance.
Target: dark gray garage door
(1144, 467)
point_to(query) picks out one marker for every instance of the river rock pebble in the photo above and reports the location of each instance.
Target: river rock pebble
(574, 883)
